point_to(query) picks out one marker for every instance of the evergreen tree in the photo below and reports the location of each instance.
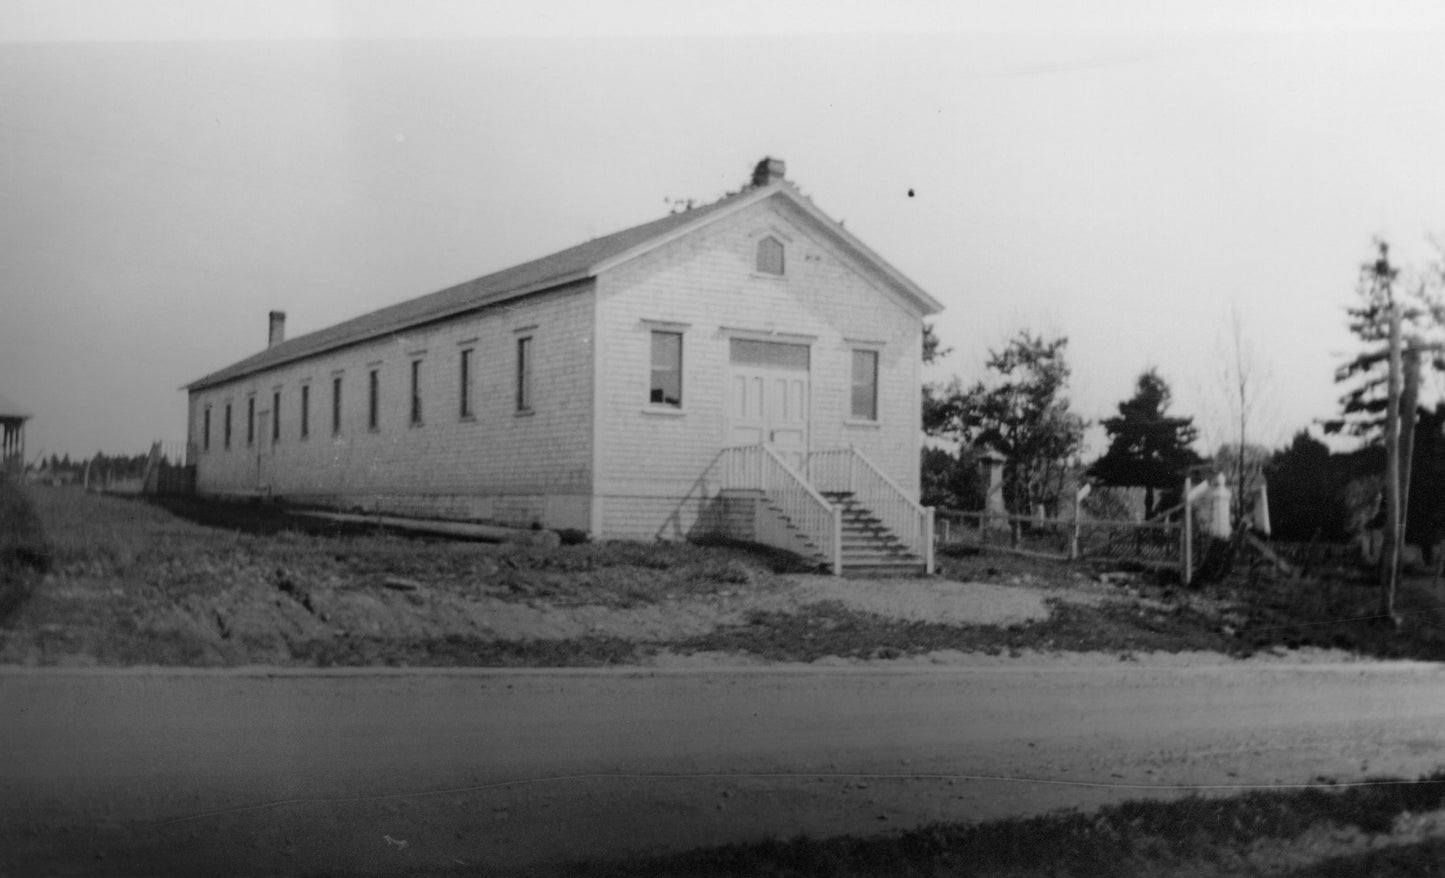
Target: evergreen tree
(1148, 448)
(1363, 405)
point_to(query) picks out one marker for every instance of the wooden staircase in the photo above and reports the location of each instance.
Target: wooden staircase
(845, 512)
(869, 547)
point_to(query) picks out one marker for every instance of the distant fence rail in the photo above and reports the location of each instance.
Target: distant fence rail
(167, 472)
(1148, 543)
(1309, 555)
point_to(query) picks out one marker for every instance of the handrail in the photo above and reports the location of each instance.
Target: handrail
(850, 470)
(863, 458)
(760, 467)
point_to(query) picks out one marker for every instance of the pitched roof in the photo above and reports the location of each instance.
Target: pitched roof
(560, 268)
(9, 410)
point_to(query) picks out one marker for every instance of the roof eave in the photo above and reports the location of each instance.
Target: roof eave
(526, 290)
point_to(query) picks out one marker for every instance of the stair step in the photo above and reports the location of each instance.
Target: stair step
(878, 571)
(885, 538)
(899, 554)
(872, 544)
(869, 547)
(854, 558)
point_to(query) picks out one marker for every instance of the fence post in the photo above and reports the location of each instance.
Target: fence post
(1187, 550)
(928, 546)
(1074, 540)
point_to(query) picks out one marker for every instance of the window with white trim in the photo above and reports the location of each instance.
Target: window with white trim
(865, 385)
(465, 380)
(524, 373)
(416, 393)
(666, 381)
(373, 400)
(335, 405)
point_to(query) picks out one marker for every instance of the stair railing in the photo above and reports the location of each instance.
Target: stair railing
(760, 468)
(850, 470)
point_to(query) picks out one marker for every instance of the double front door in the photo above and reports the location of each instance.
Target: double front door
(768, 390)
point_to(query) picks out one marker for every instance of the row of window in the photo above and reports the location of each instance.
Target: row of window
(665, 389)
(465, 376)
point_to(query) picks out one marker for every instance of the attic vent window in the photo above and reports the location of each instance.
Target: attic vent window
(770, 256)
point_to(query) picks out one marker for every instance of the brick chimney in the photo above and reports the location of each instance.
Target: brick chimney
(769, 170)
(278, 329)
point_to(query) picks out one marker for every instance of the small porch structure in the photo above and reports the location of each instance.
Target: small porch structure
(833, 506)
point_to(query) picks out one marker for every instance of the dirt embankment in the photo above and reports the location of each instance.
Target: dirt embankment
(129, 583)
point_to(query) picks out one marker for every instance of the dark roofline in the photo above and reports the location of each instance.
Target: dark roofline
(211, 381)
(554, 271)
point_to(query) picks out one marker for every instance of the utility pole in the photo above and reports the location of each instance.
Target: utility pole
(1409, 404)
(1400, 418)
(1390, 567)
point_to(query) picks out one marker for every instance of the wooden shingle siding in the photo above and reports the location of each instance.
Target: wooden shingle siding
(708, 283)
(630, 517)
(575, 440)
(517, 462)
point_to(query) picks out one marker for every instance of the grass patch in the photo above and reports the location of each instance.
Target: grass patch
(1339, 613)
(1418, 860)
(831, 629)
(467, 652)
(134, 582)
(24, 549)
(106, 536)
(191, 581)
(22, 536)
(1315, 832)
(1240, 615)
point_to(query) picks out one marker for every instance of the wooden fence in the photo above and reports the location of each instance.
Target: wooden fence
(166, 470)
(1157, 543)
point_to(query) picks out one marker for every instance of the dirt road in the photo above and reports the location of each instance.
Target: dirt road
(139, 772)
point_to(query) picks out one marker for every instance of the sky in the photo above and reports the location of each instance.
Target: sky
(1141, 177)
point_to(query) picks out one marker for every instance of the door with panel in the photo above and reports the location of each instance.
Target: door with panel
(768, 390)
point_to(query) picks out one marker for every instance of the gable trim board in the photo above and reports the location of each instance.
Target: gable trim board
(588, 455)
